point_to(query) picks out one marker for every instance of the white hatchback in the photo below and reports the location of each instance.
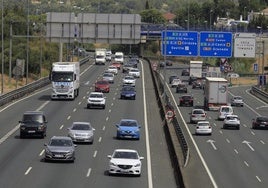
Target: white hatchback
(231, 121)
(203, 127)
(113, 69)
(197, 115)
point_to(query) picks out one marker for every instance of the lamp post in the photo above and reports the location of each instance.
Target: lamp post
(210, 19)
(206, 22)
(245, 17)
(2, 45)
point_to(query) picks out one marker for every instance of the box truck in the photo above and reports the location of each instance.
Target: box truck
(100, 56)
(196, 69)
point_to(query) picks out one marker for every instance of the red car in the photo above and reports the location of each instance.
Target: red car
(116, 64)
(102, 86)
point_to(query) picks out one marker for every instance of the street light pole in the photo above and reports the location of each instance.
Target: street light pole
(210, 19)
(2, 45)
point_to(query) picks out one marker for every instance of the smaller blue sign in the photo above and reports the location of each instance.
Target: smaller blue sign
(216, 44)
(255, 67)
(262, 80)
(179, 43)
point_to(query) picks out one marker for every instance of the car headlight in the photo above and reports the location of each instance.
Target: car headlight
(137, 165)
(47, 151)
(112, 164)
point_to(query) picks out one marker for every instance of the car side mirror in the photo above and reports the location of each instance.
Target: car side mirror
(75, 145)
(109, 156)
(45, 144)
(141, 158)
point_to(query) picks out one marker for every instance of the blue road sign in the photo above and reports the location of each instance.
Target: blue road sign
(179, 43)
(255, 67)
(216, 44)
(262, 80)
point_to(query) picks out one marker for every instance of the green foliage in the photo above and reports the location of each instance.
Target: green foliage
(152, 16)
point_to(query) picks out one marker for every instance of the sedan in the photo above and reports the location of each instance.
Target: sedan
(260, 122)
(125, 161)
(113, 69)
(129, 81)
(175, 82)
(128, 128)
(203, 127)
(186, 100)
(197, 115)
(128, 92)
(60, 148)
(102, 86)
(81, 132)
(237, 101)
(171, 78)
(96, 99)
(117, 65)
(109, 77)
(134, 72)
(231, 121)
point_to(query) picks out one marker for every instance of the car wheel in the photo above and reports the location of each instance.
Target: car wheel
(88, 106)
(224, 126)
(238, 127)
(22, 135)
(103, 107)
(134, 98)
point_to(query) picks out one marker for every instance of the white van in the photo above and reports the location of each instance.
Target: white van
(225, 110)
(119, 57)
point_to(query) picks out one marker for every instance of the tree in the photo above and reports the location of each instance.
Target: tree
(152, 16)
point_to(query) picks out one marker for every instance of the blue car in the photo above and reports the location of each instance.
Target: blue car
(128, 92)
(128, 128)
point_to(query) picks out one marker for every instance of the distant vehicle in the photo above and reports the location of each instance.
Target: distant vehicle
(125, 161)
(197, 84)
(231, 121)
(196, 69)
(171, 78)
(192, 79)
(102, 86)
(119, 57)
(108, 77)
(96, 99)
(100, 56)
(128, 92)
(186, 100)
(33, 123)
(129, 81)
(112, 69)
(175, 82)
(117, 65)
(203, 127)
(185, 72)
(162, 64)
(260, 122)
(127, 67)
(81, 132)
(133, 63)
(65, 80)
(169, 63)
(128, 128)
(237, 101)
(225, 110)
(109, 55)
(197, 115)
(60, 148)
(134, 72)
(181, 88)
(215, 93)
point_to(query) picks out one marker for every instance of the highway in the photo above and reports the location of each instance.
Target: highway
(22, 160)
(233, 158)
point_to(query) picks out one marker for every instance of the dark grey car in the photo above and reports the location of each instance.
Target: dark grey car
(60, 148)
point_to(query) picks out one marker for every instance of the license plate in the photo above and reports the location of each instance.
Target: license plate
(59, 156)
(31, 131)
(262, 125)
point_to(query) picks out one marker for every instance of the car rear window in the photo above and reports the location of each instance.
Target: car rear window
(198, 112)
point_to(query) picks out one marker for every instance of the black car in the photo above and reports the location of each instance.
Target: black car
(186, 100)
(171, 78)
(260, 122)
(192, 79)
(181, 88)
(197, 84)
(185, 72)
(33, 123)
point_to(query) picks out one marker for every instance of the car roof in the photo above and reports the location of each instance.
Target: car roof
(33, 112)
(81, 123)
(200, 122)
(231, 115)
(125, 150)
(61, 137)
(128, 120)
(93, 92)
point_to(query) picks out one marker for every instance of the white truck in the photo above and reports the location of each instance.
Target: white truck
(215, 93)
(119, 57)
(65, 80)
(100, 56)
(196, 69)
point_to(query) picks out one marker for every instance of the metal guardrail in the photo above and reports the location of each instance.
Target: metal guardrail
(29, 88)
(255, 90)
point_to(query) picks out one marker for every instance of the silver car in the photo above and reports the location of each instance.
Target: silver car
(81, 132)
(108, 76)
(60, 148)
(237, 101)
(197, 115)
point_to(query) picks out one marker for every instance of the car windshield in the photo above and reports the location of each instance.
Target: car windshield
(129, 78)
(126, 155)
(128, 89)
(225, 109)
(60, 142)
(262, 119)
(237, 98)
(231, 118)
(102, 82)
(95, 95)
(108, 75)
(81, 127)
(186, 97)
(128, 123)
(32, 118)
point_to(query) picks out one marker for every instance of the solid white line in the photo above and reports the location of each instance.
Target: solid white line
(194, 143)
(148, 150)
(28, 170)
(88, 172)
(42, 152)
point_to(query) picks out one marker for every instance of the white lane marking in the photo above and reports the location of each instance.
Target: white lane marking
(194, 143)
(103, 128)
(107, 118)
(262, 141)
(114, 98)
(95, 153)
(61, 127)
(110, 110)
(244, 125)
(227, 140)
(215, 124)
(84, 97)
(112, 104)
(42, 106)
(221, 132)
(42, 152)
(88, 172)
(258, 178)
(252, 132)
(148, 150)
(69, 117)
(28, 171)
(80, 103)
(100, 138)
(235, 150)
(212, 144)
(246, 164)
(248, 144)
(74, 110)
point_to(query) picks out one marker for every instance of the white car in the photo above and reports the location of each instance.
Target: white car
(175, 82)
(231, 121)
(113, 69)
(134, 72)
(129, 81)
(96, 99)
(197, 115)
(224, 111)
(203, 127)
(125, 161)
(108, 76)
(237, 101)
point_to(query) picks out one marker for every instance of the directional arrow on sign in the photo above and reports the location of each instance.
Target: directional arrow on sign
(248, 144)
(212, 144)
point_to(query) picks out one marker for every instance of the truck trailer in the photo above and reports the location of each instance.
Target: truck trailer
(64, 78)
(196, 69)
(215, 93)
